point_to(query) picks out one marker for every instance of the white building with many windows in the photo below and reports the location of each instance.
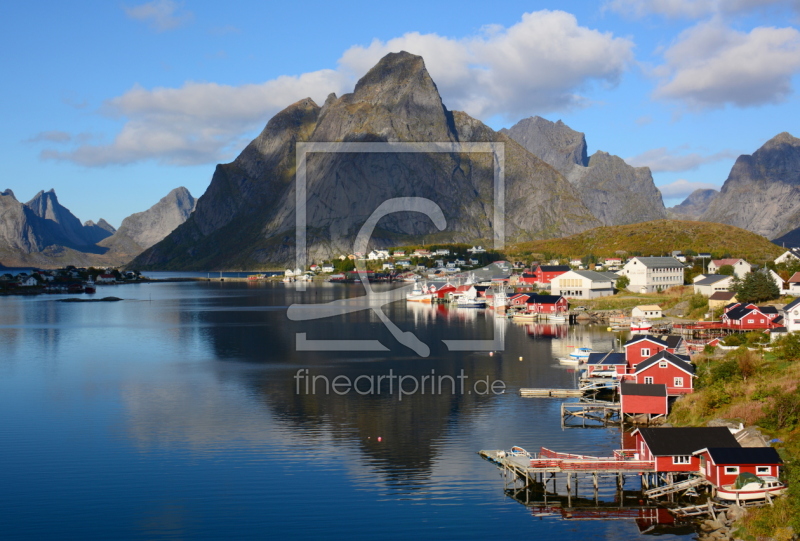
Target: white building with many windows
(650, 274)
(582, 285)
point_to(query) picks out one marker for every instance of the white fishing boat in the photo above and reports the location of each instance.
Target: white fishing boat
(421, 293)
(287, 279)
(749, 487)
(470, 302)
(524, 317)
(580, 354)
(640, 325)
(569, 361)
(556, 318)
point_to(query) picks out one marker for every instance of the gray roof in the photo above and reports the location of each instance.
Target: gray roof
(595, 276)
(613, 276)
(659, 262)
(711, 279)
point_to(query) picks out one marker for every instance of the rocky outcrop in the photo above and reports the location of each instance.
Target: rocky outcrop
(616, 193)
(554, 142)
(95, 232)
(141, 230)
(694, 206)
(247, 219)
(762, 191)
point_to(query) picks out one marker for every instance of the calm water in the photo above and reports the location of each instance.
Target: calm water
(174, 414)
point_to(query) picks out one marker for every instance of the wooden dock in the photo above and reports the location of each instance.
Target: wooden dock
(556, 393)
(603, 413)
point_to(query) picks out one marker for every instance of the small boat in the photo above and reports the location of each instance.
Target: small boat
(471, 302)
(288, 279)
(639, 325)
(524, 317)
(581, 354)
(514, 451)
(556, 318)
(749, 487)
(421, 293)
(571, 361)
(89, 287)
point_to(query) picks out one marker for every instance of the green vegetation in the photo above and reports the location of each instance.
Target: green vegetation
(726, 270)
(755, 287)
(655, 238)
(756, 388)
(623, 282)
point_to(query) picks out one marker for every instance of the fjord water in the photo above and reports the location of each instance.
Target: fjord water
(175, 414)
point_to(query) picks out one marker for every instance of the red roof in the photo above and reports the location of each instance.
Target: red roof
(721, 262)
(795, 278)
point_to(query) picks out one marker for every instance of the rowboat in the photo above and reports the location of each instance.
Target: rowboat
(751, 488)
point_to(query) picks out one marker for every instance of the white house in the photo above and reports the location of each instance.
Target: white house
(579, 284)
(388, 266)
(791, 316)
(792, 254)
(327, 267)
(651, 311)
(740, 266)
(794, 285)
(476, 250)
(442, 251)
(650, 274)
(708, 284)
(28, 281)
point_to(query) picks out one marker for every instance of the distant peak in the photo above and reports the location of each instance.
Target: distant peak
(783, 138)
(9, 193)
(393, 74)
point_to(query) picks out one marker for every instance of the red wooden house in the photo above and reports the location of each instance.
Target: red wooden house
(544, 274)
(547, 304)
(722, 465)
(673, 448)
(674, 371)
(641, 347)
(750, 317)
(648, 399)
(520, 299)
(606, 365)
(445, 291)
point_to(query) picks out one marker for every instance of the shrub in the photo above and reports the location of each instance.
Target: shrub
(734, 340)
(784, 412)
(698, 301)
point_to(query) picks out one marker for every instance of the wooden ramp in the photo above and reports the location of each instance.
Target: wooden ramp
(675, 487)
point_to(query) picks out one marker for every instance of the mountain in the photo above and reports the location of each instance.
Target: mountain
(762, 191)
(655, 238)
(694, 206)
(616, 193)
(141, 230)
(44, 233)
(246, 218)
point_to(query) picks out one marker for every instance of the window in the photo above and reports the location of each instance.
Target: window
(681, 459)
(731, 470)
(648, 380)
(662, 364)
(678, 382)
(750, 321)
(763, 470)
(645, 352)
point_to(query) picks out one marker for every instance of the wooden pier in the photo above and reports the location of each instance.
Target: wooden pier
(558, 393)
(603, 413)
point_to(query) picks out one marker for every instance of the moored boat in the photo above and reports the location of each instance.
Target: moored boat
(581, 354)
(421, 293)
(640, 325)
(749, 487)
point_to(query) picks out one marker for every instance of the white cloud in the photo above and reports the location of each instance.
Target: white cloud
(540, 64)
(711, 65)
(692, 9)
(51, 136)
(663, 159)
(681, 188)
(197, 123)
(160, 15)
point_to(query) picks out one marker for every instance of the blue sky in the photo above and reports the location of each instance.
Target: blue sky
(113, 104)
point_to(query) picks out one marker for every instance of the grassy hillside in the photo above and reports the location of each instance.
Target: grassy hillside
(654, 238)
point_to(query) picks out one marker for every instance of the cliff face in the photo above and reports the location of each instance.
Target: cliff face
(613, 191)
(762, 191)
(246, 218)
(694, 206)
(141, 230)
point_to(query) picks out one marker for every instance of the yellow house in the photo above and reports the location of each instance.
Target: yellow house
(647, 310)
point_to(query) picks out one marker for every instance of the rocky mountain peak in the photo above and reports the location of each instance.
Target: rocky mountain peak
(395, 101)
(8, 193)
(695, 205)
(554, 142)
(762, 191)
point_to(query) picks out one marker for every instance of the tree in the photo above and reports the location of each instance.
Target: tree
(755, 287)
(623, 282)
(726, 270)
